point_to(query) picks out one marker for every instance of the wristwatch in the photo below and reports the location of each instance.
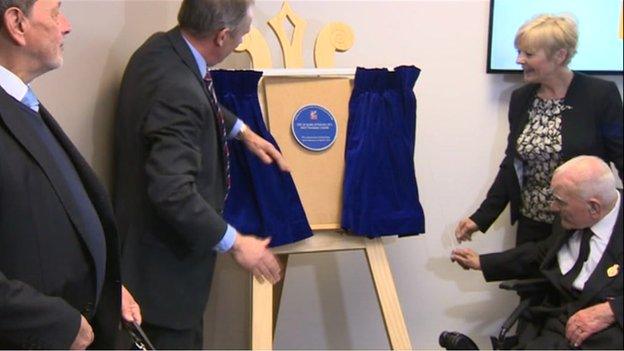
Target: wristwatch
(241, 132)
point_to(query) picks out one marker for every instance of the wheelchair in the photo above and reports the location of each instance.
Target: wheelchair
(531, 289)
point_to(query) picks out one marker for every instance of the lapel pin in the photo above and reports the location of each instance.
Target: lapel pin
(613, 270)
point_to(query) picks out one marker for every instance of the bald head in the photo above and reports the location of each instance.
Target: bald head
(589, 176)
(584, 191)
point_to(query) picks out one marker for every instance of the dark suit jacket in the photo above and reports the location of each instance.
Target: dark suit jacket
(169, 181)
(530, 258)
(592, 127)
(42, 242)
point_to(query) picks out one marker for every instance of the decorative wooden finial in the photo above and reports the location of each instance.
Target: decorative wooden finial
(257, 48)
(292, 50)
(333, 37)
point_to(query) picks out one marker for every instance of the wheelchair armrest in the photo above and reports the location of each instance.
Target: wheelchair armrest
(511, 320)
(535, 287)
(527, 285)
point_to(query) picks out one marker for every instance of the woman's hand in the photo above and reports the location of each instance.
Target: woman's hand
(464, 229)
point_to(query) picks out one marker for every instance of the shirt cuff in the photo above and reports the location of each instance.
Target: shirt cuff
(236, 129)
(227, 241)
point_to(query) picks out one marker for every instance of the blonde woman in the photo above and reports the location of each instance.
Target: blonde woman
(557, 115)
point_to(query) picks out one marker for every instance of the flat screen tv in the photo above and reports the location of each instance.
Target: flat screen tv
(600, 32)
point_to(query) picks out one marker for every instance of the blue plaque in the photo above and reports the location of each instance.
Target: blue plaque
(314, 128)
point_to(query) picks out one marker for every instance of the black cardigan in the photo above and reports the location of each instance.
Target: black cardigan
(592, 127)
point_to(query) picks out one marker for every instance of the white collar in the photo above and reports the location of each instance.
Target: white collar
(604, 227)
(12, 84)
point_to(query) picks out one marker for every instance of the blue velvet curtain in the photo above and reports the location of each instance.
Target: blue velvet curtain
(380, 195)
(262, 200)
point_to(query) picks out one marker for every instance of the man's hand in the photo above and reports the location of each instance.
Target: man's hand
(588, 321)
(466, 258)
(253, 254)
(464, 230)
(84, 337)
(130, 310)
(265, 151)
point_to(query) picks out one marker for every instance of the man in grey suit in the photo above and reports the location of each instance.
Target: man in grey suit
(59, 255)
(171, 175)
(582, 260)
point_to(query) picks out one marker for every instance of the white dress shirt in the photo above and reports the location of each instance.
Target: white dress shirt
(569, 252)
(12, 84)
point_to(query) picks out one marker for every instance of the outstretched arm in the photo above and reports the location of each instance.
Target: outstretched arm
(263, 149)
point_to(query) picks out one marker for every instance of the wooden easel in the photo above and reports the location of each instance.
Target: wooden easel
(325, 180)
(266, 298)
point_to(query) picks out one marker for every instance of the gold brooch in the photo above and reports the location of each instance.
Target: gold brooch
(613, 270)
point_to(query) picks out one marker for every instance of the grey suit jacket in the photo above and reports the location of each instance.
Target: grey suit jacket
(169, 181)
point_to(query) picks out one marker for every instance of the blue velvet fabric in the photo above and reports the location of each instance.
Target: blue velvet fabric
(380, 195)
(262, 200)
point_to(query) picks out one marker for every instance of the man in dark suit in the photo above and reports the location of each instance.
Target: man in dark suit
(582, 260)
(59, 260)
(171, 175)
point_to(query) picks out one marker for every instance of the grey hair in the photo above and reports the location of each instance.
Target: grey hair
(24, 5)
(205, 17)
(590, 177)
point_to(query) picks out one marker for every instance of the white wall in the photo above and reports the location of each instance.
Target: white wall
(329, 301)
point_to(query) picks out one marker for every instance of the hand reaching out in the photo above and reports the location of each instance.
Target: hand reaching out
(253, 254)
(464, 230)
(264, 150)
(466, 258)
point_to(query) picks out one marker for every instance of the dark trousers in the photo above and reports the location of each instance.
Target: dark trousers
(174, 339)
(548, 334)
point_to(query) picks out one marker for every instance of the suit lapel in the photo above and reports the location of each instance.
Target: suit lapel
(15, 119)
(95, 245)
(181, 48)
(95, 190)
(569, 118)
(550, 265)
(525, 106)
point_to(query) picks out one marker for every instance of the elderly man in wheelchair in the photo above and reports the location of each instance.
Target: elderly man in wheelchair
(581, 262)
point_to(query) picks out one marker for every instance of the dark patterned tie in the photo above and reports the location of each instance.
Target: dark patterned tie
(568, 278)
(212, 97)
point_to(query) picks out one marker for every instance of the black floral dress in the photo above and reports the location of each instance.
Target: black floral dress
(539, 146)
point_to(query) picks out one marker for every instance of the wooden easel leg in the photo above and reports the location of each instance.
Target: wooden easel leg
(277, 290)
(387, 295)
(261, 315)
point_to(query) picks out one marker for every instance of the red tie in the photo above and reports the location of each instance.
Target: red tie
(212, 97)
